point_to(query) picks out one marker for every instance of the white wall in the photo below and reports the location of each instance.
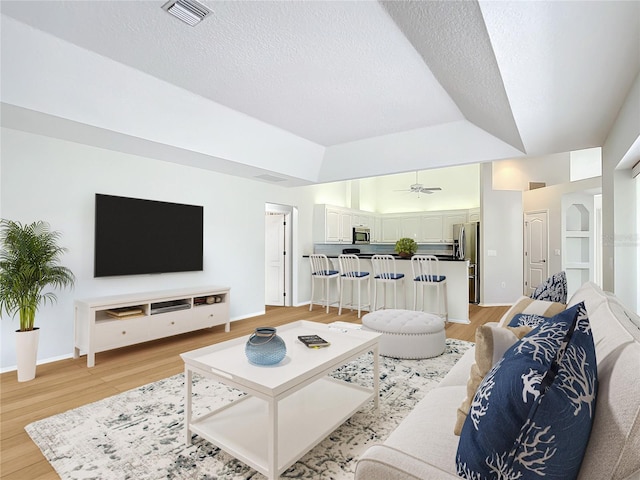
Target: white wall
(387, 194)
(621, 248)
(449, 144)
(501, 227)
(41, 72)
(637, 183)
(516, 174)
(586, 163)
(626, 243)
(335, 193)
(550, 199)
(56, 181)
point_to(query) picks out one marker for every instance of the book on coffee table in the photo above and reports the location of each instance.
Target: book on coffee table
(313, 341)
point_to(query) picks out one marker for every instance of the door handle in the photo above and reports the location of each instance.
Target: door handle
(543, 261)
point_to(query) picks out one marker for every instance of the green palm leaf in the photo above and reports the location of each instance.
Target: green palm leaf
(29, 262)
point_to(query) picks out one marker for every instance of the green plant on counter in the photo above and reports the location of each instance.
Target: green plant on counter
(406, 246)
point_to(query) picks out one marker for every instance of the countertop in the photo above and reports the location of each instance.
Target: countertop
(445, 258)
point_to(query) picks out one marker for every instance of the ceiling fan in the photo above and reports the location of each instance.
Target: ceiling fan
(420, 188)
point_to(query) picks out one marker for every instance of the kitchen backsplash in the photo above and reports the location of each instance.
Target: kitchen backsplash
(382, 248)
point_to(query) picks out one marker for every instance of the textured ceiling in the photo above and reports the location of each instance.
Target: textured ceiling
(330, 72)
(536, 77)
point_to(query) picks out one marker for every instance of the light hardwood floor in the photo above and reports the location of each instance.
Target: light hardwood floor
(67, 384)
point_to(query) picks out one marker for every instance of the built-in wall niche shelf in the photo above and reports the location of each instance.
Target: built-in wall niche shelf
(576, 276)
(107, 323)
(577, 236)
(577, 250)
(577, 218)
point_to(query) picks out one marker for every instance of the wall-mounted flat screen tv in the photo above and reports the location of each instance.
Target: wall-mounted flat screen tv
(135, 236)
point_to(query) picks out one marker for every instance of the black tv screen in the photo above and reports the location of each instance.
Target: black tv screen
(135, 236)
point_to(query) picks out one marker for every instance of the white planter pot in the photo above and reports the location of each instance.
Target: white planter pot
(27, 353)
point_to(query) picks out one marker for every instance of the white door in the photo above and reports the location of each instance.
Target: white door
(275, 255)
(536, 255)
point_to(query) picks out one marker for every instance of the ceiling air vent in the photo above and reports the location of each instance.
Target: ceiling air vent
(270, 178)
(189, 11)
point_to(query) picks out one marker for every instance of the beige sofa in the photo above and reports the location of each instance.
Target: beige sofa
(424, 445)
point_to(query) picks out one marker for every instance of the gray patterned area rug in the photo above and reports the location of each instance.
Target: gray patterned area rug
(139, 434)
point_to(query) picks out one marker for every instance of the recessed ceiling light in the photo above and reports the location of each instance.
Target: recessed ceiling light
(190, 12)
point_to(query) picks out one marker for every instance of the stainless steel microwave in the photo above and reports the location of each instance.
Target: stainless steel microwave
(361, 235)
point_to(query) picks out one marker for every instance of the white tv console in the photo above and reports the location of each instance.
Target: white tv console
(106, 323)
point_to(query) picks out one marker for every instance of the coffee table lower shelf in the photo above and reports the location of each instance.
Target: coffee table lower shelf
(305, 418)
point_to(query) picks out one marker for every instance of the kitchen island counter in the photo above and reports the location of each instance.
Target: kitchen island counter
(456, 271)
(443, 258)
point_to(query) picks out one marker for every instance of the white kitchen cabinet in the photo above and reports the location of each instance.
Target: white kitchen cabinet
(450, 219)
(410, 228)
(431, 228)
(361, 220)
(376, 229)
(332, 224)
(391, 229)
(117, 321)
(346, 224)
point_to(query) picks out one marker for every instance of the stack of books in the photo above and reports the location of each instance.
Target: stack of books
(125, 312)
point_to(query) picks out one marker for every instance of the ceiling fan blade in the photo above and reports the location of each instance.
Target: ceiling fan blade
(419, 188)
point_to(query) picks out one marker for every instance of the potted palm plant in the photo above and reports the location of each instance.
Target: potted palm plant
(29, 262)
(406, 247)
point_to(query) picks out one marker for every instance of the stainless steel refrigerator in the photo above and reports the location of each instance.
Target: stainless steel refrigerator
(466, 246)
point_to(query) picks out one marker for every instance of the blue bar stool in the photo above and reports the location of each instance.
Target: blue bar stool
(426, 274)
(320, 271)
(350, 272)
(384, 272)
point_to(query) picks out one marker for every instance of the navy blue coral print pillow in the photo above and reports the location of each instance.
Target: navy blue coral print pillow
(527, 320)
(553, 289)
(531, 416)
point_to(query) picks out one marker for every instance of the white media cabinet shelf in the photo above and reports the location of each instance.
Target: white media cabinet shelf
(106, 323)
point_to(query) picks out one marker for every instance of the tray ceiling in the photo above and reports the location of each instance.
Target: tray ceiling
(353, 82)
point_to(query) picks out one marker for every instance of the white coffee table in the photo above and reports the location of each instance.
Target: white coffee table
(290, 407)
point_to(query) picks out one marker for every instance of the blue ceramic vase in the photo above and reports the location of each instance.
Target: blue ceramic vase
(265, 347)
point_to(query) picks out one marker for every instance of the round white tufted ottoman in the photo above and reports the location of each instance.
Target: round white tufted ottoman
(407, 333)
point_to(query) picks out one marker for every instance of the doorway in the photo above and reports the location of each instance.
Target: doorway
(277, 248)
(536, 249)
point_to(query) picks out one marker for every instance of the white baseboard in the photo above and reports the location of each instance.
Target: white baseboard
(13, 368)
(456, 320)
(249, 315)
